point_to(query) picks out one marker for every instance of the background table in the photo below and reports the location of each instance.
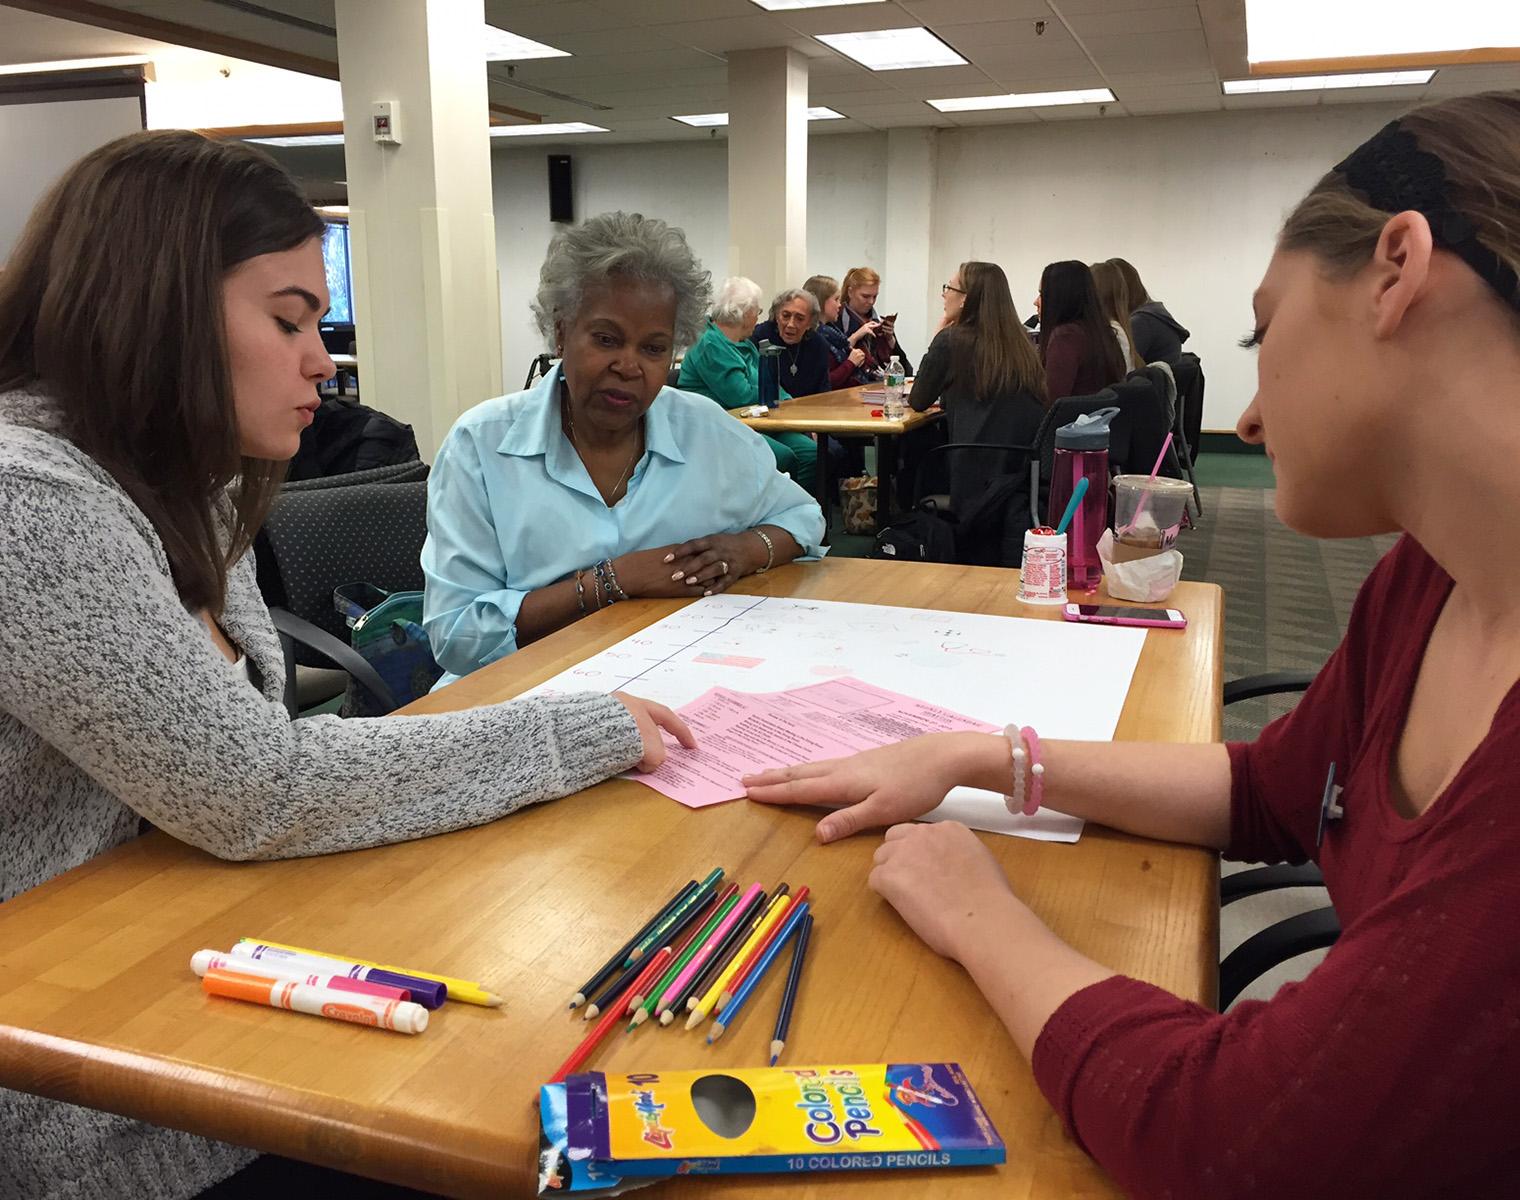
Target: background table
(98, 1005)
(845, 414)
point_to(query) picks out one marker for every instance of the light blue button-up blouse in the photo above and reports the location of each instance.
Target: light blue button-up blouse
(511, 508)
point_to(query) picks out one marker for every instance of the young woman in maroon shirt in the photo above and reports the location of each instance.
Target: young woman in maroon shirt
(1389, 399)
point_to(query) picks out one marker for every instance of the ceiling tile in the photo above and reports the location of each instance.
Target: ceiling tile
(1165, 20)
(632, 13)
(935, 13)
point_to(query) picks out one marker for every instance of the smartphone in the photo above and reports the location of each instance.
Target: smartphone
(1113, 614)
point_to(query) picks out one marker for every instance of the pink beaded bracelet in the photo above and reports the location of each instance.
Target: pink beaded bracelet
(1036, 772)
(1015, 799)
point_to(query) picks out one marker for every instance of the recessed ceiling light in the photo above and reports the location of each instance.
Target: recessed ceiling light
(548, 129)
(1316, 83)
(781, 5)
(712, 120)
(501, 46)
(1290, 30)
(75, 64)
(308, 139)
(893, 49)
(1024, 100)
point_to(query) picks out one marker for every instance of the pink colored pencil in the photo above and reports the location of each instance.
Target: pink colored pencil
(701, 956)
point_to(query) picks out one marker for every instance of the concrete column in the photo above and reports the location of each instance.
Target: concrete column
(767, 167)
(423, 232)
(908, 286)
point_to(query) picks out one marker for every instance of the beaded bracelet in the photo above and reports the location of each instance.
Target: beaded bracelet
(615, 589)
(1015, 799)
(770, 550)
(1036, 772)
(1018, 801)
(580, 593)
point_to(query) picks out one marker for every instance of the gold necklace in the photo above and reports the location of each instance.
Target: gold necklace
(638, 450)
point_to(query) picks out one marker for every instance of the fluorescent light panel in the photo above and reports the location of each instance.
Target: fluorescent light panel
(893, 49)
(549, 129)
(502, 46)
(1024, 100)
(783, 5)
(1290, 30)
(309, 139)
(1316, 83)
(712, 120)
(75, 64)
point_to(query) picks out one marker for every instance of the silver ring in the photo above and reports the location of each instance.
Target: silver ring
(724, 565)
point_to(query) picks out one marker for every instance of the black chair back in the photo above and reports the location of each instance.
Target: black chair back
(1064, 412)
(408, 472)
(1190, 383)
(322, 538)
(1144, 402)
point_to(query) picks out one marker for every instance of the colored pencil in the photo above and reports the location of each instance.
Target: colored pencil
(704, 1008)
(789, 997)
(614, 1012)
(734, 983)
(722, 905)
(692, 915)
(668, 928)
(719, 959)
(794, 922)
(615, 963)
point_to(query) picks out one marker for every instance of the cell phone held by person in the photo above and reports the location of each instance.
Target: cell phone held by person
(1114, 614)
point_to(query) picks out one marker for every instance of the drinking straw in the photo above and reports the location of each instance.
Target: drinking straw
(1071, 505)
(589, 988)
(1145, 495)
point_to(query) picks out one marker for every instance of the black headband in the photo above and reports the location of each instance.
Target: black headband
(1395, 175)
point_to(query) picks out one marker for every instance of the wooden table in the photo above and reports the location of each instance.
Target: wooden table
(845, 414)
(98, 1005)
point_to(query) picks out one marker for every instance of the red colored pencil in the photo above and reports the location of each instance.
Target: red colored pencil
(728, 993)
(615, 1012)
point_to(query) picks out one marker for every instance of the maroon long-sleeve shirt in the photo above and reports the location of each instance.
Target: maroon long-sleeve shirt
(1394, 1068)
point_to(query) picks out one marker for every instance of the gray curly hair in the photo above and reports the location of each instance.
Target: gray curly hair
(786, 297)
(628, 246)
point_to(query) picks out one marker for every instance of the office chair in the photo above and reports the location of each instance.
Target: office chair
(987, 525)
(1287, 939)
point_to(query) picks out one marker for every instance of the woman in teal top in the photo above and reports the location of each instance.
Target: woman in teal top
(600, 484)
(725, 365)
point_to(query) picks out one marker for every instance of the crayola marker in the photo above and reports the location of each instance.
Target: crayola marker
(207, 960)
(427, 992)
(402, 1016)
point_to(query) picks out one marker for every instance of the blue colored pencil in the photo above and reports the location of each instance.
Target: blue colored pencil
(752, 980)
(789, 997)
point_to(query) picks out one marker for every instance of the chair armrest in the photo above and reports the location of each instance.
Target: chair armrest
(1267, 879)
(1269, 684)
(1276, 944)
(293, 629)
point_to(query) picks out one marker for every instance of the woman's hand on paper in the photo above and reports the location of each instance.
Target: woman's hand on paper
(652, 718)
(871, 789)
(944, 883)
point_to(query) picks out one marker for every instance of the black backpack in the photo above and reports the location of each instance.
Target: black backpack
(924, 534)
(347, 436)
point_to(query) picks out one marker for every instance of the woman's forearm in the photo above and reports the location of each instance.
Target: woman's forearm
(786, 547)
(552, 608)
(1172, 792)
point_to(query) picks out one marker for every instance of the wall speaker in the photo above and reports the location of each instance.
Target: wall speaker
(561, 206)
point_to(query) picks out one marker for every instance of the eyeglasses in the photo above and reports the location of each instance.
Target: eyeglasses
(945, 289)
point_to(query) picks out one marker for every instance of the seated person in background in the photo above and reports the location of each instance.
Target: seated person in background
(725, 366)
(142, 675)
(804, 360)
(1077, 347)
(859, 323)
(844, 355)
(600, 483)
(982, 369)
(1158, 334)
(1113, 295)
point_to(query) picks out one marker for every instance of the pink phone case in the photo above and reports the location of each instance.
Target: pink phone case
(1162, 621)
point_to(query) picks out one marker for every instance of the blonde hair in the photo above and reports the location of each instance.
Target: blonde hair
(853, 278)
(1477, 139)
(823, 287)
(1113, 298)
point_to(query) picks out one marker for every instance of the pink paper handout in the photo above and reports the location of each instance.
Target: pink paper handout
(739, 733)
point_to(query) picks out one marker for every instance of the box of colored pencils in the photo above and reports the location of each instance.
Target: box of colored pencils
(770, 1119)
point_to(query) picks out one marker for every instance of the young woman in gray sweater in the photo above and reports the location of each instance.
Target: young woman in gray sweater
(158, 360)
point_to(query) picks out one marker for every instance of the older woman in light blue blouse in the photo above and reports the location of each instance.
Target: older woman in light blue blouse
(600, 483)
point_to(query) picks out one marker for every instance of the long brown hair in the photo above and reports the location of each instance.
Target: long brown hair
(1069, 297)
(1113, 299)
(1134, 289)
(1005, 359)
(112, 304)
(1477, 139)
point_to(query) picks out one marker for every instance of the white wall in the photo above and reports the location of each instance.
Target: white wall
(685, 183)
(1194, 201)
(38, 142)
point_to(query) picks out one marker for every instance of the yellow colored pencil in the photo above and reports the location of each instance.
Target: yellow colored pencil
(463, 990)
(773, 913)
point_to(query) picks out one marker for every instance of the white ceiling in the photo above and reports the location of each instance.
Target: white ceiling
(636, 63)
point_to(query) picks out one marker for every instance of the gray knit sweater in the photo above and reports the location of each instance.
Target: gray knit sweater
(115, 704)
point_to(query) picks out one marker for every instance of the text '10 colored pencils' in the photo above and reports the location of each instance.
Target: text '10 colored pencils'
(706, 950)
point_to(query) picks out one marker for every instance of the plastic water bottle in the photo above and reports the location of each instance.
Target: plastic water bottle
(893, 408)
(1082, 453)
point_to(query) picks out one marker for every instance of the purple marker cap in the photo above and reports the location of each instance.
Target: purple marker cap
(427, 992)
